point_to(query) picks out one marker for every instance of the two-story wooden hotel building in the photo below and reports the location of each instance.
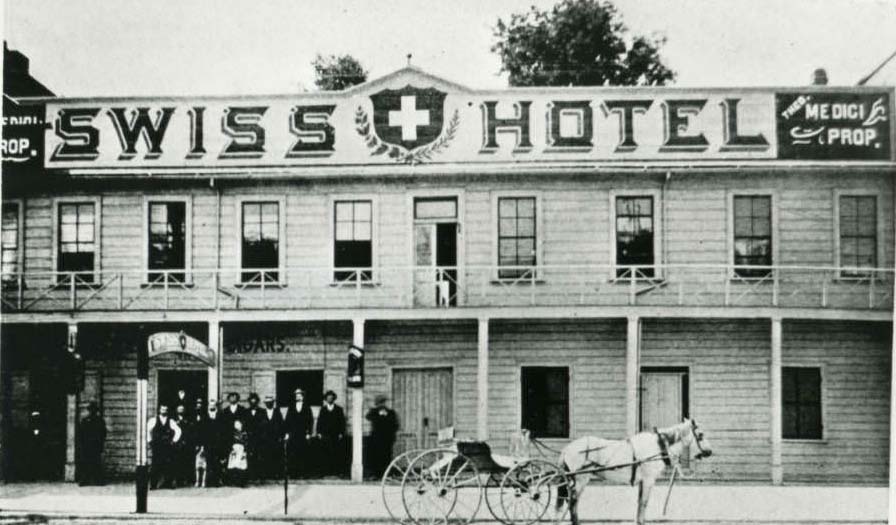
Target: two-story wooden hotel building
(571, 260)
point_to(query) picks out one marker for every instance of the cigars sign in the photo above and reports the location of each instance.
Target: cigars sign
(411, 118)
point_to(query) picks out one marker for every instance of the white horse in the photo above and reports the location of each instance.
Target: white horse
(639, 459)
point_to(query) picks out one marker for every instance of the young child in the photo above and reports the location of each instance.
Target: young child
(236, 463)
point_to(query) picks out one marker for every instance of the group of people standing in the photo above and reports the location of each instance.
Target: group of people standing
(233, 444)
(216, 444)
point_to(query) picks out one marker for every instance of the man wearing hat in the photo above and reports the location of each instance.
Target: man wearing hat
(383, 426)
(253, 419)
(92, 434)
(298, 425)
(270, 436)
(331, 429)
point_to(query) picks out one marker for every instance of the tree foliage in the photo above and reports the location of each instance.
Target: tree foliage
(578, 42)
(335, 73)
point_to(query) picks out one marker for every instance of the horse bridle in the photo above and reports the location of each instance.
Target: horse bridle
(698, 439)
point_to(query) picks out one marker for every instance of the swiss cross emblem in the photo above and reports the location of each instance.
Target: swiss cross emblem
(408, 124)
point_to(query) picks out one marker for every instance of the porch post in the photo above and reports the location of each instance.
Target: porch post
(71, 411)
(775, 422)
(892, 500)
(482, 381)
(357, 411)
(214, 374)
(632, 367)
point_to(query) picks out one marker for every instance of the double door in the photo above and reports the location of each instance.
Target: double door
(423, 400)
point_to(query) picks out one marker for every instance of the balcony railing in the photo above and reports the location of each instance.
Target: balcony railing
(450, 287)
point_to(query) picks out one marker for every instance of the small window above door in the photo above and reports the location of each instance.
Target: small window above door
(435, 208)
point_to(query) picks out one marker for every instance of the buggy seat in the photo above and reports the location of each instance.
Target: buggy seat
(481, 455)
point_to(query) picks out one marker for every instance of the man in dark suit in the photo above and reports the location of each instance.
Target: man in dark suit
(251, 424)
(298, 426)
(184, 454)
(331, 430)
(92, 437)
(383, 426)
(215, 441)
(270, 440)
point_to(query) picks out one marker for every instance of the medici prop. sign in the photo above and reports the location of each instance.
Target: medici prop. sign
(412, 118)
(834, 126)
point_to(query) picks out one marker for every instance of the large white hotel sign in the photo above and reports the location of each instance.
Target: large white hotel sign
(411, 118)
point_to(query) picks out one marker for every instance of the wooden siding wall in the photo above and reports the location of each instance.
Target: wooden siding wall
(855, 367)
(594, 351)
(432, 344)
(728, 373)
(575, 220)
(312, 346)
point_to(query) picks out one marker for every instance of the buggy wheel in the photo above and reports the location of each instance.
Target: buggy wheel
(441, 486)
(391, 484)
(493, 497)
(529, 488)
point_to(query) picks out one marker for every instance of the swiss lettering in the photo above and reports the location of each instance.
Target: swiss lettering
(243, 126)
(139, 124)
(311, 124)
(197, 133)
(81, 140)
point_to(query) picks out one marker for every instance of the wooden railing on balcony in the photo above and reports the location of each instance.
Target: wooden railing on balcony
(450, 287)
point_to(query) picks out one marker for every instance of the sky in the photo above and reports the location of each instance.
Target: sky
(219, 47)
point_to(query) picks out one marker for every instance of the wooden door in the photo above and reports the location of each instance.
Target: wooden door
(423, 399)
(663, 399)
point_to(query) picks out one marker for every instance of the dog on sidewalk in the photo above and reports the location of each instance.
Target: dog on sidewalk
(201, 467)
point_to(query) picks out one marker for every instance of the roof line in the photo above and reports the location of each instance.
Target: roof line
(869, 76)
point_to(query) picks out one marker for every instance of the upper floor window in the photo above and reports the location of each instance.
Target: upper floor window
(167, 249)
(517, 237)
(752, 235)
(77, 239)
(353, 240)
(858, 232)
(260, 248)
(634, 236)
(545, 407)
(801, 397)
(10, 242)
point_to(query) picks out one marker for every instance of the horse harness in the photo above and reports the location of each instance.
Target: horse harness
(661, 439)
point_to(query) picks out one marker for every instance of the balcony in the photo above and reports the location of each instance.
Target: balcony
(713, 286)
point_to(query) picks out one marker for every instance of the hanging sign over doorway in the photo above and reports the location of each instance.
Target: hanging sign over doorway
(179, 342)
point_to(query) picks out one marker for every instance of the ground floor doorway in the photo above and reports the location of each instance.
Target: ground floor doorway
(423, 399)
(664, 398)
(311, 381)
(35, 420)
(193, 383)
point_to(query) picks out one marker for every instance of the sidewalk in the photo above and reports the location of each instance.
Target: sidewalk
(346, 502)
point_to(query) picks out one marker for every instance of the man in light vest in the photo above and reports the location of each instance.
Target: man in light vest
(163, 434)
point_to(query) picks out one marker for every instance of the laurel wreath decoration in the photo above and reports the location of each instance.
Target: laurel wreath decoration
(397, 152)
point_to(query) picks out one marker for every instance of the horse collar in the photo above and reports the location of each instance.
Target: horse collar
(664, 447)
